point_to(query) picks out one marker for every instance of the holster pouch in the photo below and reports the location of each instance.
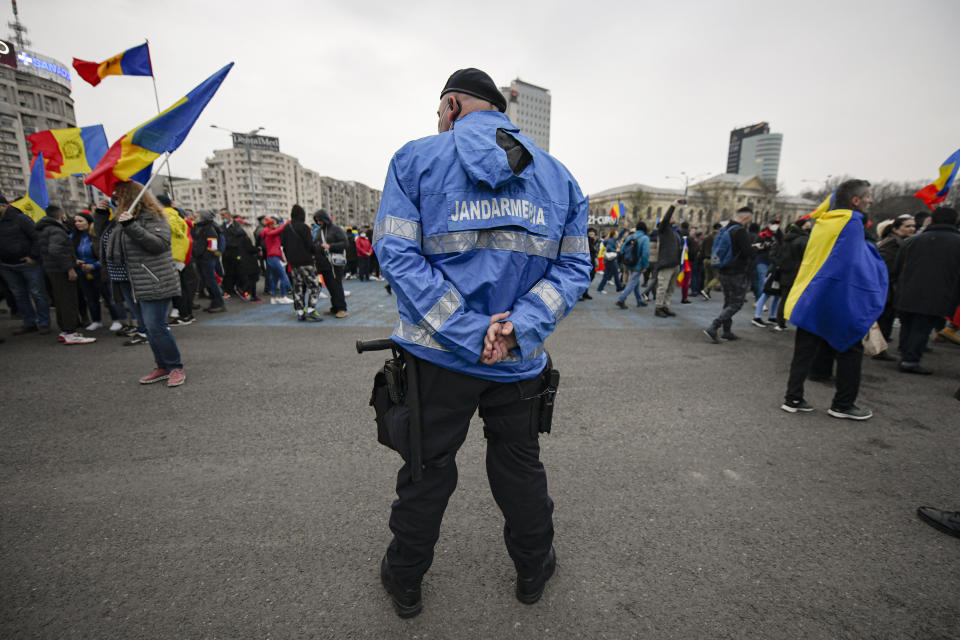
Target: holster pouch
(540, 410)
(392, 415)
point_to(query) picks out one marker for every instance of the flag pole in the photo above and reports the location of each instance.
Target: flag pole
(147, 186)
(156, 96)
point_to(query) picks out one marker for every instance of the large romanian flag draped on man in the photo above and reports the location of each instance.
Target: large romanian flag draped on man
(936, 192)
(133, 152)
(841, 287)
(68, 152)
(36, 201)
(132, 62)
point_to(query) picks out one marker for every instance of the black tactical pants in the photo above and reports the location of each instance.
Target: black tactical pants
(517, 478)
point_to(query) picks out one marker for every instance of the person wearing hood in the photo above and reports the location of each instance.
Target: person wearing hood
(59, 262)
(331, 246)
(206, 254)
(484, 238)
(297, 243)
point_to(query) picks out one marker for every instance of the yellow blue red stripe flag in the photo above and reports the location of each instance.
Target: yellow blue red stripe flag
(36, 201)
(841, 287)
(135, 151)
(936, 192)
(132, 62)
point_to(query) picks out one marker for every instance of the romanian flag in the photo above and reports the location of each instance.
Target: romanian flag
(618, 210)
(829, 203)
(937, 191)
(68, 152)
(132, 62)
(138, 149)
(684, 274)
(37, 199)
(841, 287)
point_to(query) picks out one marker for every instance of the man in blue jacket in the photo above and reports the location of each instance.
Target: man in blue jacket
(643, 261)
(484, 238)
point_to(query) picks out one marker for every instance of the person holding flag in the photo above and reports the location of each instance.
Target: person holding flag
(20, 268)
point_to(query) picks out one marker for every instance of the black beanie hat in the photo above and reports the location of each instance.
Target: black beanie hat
(164, 199)
(86, 216)
(474, 82)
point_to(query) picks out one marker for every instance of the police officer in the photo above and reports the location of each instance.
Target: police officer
(484, 238)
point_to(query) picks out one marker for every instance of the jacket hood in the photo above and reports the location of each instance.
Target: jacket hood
(475, 136)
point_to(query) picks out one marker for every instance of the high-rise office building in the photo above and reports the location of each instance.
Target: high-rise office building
(754, 150)
(34, 96)
(528, 107)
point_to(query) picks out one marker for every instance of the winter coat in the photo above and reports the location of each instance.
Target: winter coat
(743, 251)
(889, 247)
(643, 250)
(142, 245)
(18, 237)
(203, 232)
(271, 240)
(337, 240)
(56, 248)
(364, 248)
(791, 254)
(241, 250)
(927, 272)
(669, 243)
(297, 244)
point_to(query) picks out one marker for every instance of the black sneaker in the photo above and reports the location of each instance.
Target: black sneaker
(660, 312)
(139, 338)
(711, 333)
(529, 590)
(126, 331)
(729, 336)
(407, 601)
(757, 322)
(852, 413)
(187, 320)
(175, 322)
(796, 406)
(621, 304)
(669, 313)
(218, 309)
(914, 368)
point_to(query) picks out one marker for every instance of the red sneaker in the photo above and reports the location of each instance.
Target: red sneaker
(177, 377)
(156, 375)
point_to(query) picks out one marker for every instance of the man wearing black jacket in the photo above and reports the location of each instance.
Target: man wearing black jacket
(668, 262)
(927, 272)
(20, 268)
(331, 245)
(734, 276)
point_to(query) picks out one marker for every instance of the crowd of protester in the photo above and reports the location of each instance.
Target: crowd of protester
(919, 248)
(147, 267)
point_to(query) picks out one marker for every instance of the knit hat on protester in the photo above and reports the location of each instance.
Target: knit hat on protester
(476, 83)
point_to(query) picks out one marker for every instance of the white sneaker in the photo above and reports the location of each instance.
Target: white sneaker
(323, 295)
(93, 326)
(285, 300)
(174, 313)
(346, 293)
(116, 326)
(77, 338)
(273, 300)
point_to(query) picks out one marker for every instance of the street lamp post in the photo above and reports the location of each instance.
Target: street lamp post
(687, 180)
(256, 199)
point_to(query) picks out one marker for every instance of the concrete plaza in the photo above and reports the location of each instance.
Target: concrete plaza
(252, 502)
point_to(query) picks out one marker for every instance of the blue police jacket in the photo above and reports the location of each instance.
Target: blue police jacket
(461, 237)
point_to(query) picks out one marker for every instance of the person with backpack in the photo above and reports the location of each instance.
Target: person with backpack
(635, 256)
(611, 270)
(732, 256)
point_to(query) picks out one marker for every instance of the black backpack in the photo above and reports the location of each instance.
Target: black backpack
(630, 253)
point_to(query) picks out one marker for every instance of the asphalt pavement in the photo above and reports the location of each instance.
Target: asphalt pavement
(252, 502)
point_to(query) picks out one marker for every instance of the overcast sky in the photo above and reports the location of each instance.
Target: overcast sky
(640, 90)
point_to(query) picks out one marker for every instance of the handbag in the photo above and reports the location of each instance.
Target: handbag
(874, 342)
(771, 286)
(336, 259)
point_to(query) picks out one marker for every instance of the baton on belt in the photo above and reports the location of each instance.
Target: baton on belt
(412, 396)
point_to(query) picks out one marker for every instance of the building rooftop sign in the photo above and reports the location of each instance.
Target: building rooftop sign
(263, 143)
(8, 55)
(44, 67)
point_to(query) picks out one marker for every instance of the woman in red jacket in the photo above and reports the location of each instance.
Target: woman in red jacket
(364, 251)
